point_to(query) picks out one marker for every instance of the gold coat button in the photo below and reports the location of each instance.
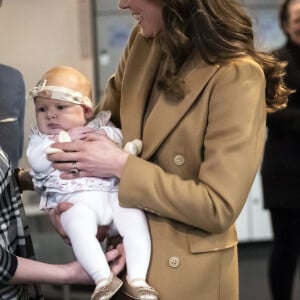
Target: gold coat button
(179, 160)
(174, 262)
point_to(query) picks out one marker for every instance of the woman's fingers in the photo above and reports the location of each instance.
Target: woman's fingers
(116, 259)
(55, 215)
(25, 180)
(102, 232)
(71, 147)
(97, 157)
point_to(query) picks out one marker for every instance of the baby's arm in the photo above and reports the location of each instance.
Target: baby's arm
(63, 136)
(113, 133)
(36, 154)
(75, 134)
(134, 147)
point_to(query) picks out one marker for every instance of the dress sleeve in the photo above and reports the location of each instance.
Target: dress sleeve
(114, 134)
(36, 149)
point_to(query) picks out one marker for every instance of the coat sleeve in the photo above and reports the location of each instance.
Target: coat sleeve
(233, 145)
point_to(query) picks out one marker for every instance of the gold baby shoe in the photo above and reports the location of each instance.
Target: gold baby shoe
(140, 292)
(107, 291)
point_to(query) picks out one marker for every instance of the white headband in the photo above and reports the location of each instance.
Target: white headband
(59, 93)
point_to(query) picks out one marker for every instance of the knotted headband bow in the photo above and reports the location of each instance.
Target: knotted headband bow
(59, 93)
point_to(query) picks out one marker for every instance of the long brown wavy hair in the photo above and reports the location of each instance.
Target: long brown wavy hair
(221, 31)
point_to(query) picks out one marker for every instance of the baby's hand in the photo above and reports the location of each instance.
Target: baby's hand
(134, 147)
(63, 136)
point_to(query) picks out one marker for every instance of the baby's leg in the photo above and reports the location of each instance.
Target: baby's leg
(80, 224)
(133, 227)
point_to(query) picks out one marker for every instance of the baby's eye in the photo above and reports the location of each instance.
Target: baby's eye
(41, 109)
(60, 107)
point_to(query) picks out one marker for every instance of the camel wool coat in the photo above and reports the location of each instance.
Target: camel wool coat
(200, 156)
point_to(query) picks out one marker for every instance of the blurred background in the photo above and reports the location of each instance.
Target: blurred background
(89, 35)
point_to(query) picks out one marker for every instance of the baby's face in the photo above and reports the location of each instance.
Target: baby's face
(52, 115)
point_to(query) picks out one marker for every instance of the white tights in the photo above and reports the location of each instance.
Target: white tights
(80, 223)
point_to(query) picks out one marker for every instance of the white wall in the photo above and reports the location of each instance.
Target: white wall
(38, 34)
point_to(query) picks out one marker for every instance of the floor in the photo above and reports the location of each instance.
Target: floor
(253, 264)
(253, 271)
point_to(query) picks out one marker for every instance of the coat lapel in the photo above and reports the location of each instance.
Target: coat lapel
(145, 55)
(137, 86)
(166, 114)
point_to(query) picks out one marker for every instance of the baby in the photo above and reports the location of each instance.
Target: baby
(64, 112)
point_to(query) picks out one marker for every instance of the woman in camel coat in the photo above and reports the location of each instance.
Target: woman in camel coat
(200, 110)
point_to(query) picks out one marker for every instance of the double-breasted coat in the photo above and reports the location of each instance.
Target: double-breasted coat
(200, 156)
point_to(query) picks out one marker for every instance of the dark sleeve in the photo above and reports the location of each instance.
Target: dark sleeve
(12, 106)
(20, 94)
(8, 265)
(287, 120)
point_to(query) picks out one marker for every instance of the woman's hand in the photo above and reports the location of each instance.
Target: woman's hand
(32, 271)
(24, 180)
(55, 214)
(97, 156)
(115, 258)
(80, 133)
(76, 274)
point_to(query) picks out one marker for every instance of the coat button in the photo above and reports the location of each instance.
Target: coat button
(174, 262)
(179, 160)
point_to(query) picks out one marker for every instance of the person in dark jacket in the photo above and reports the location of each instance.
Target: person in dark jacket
(281, 164)
(12, 106)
